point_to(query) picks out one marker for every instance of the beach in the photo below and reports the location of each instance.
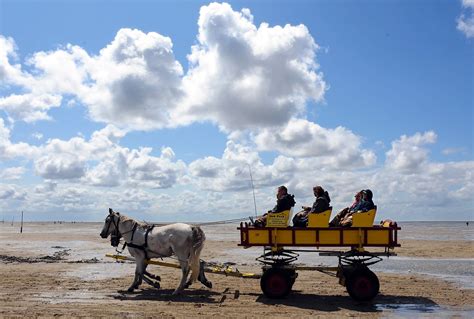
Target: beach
(60, 270)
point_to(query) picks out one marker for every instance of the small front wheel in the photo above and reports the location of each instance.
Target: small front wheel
(362, 284)
(276, 283)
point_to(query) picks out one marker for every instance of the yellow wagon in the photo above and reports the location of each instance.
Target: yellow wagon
(283, 243)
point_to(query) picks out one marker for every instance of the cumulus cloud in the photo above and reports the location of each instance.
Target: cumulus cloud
(466, 19)
(12, 173)
(231, 172)
(8, 192)
(408, 154)
(29, 107)
(302, 138)
(60, 166)
(155, 172)
(243, 76)
(136, 81)
(9, 150)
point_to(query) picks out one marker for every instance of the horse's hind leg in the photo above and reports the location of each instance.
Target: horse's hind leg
(185, 270)
(156, 277)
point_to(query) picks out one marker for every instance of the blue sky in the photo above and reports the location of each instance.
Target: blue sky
(106, 104)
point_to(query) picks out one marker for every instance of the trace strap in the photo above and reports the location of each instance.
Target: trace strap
(141, 247)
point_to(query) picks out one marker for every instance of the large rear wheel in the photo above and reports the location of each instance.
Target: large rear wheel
(277, 282)
(362, 284)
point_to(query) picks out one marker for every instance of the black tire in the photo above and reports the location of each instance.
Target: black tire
(362, 284)
(276, 283)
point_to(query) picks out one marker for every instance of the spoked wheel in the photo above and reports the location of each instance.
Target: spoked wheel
(362, 284)
(277, 282)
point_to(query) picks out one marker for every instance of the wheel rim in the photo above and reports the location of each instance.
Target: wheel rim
(363, 287)
(276, 284)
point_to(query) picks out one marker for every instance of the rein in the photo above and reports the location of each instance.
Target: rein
(116, 235)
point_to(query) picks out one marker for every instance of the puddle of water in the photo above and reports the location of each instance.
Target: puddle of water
(422, 311)
(78, 296)
(101, 271)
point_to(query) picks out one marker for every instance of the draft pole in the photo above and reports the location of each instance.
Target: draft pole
(21, 227)
(253, 190)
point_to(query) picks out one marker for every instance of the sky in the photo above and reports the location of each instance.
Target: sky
(168, 110)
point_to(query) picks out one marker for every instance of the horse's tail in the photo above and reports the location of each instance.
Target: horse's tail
(198, 239)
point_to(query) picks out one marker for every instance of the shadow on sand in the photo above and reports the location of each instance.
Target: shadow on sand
(195, 295)
(337, 303)
(325, 303)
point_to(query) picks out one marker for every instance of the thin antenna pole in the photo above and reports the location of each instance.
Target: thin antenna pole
(253, 190)
(21, 227)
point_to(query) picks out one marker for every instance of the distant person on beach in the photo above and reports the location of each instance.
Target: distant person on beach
(285, 201)
(320, 205)
(363, 202)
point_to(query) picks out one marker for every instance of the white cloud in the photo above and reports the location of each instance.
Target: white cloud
(155, 172)
(407, 153)
(466, 19)
(301, 138)
(244, 77)
(241, 76)
(136, 81)
(231, 172)
(29, 107)
(9, 150)
(12, 173)
(60, 166)
(10, 73)
(11, 192)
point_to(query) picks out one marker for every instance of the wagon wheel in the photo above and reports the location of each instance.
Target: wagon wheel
(362, 284)
(277, 282)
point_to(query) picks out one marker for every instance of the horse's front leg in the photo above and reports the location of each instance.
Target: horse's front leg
(185, 270)
(139, 271)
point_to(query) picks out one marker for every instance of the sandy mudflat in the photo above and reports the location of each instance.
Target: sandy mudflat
(72, 283)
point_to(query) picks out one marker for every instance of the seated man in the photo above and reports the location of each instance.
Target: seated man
(284, 202)
(320, 205)
(365, 203)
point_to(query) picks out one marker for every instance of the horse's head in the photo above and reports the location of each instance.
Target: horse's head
(111, 227)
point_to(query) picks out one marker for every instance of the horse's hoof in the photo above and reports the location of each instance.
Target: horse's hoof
(130, 289)
(207, 283)
(176, 293)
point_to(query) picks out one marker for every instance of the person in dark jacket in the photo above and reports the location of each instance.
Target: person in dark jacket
(364, 205)
(285, 201)
(336, 221)
(320, 205)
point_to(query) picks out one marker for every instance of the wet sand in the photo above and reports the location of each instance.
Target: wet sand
(65, 274)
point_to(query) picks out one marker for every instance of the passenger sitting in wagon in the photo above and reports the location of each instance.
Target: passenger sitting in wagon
(285, 201)
(363, 203)
(320, 205)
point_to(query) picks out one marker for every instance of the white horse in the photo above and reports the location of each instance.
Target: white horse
(145, 242)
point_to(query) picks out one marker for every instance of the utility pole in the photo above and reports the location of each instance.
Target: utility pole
(21, 227)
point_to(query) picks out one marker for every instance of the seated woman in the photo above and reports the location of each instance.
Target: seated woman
(285, 201)
(320, 205)
(363, 203)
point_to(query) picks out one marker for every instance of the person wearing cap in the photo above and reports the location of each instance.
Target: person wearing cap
(320, 205)
(285, 201)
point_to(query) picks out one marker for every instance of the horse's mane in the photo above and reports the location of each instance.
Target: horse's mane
(124, 218)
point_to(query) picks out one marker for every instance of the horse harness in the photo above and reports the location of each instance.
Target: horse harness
(116, 235)
(141, 247)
